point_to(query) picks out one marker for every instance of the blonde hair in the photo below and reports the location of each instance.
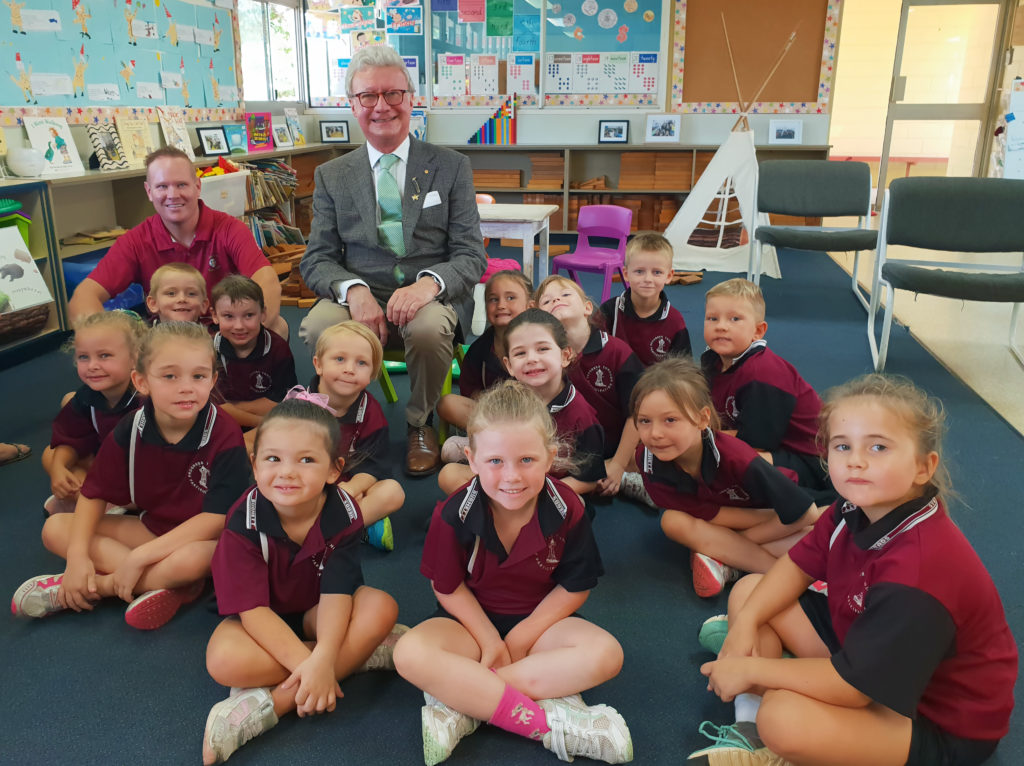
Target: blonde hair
(743, 289)
(352, 328)
(922, 414)
(649, 242)
(168, 331)
(176, 268)
(128, 323)
(683, 382)
(512, 275)
(558, 279)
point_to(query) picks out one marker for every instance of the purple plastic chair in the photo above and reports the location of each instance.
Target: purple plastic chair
(609, 221)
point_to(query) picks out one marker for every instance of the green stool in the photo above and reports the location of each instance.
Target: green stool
(394, 361)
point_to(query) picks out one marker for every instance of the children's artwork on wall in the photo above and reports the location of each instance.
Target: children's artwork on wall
(136, 140)
(172, 121)
(291, 117)
(238, 140)
(107, 145)
(57, 53)
(258, 127)
(52, 136)
(21, 284)
(282, 137)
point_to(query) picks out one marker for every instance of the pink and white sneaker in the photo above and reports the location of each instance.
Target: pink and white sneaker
(710, 575)
(154, 608)
(37, 597)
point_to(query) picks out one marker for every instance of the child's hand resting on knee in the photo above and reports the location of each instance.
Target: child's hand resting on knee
(316, 689)
(727, 677)
(78, 588)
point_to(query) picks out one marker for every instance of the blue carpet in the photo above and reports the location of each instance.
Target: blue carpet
(88, 689)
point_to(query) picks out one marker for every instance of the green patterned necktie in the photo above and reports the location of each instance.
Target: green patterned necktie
(389, 231)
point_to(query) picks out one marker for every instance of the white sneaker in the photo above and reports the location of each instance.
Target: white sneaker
(383, 656)
(234, 721)
(597, 732)
(710, 575)
(453, 449)
(632, 486)
(55, 504)
(443, 729)
(37, 597)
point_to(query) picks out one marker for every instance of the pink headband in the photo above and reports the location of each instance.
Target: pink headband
(320, 400)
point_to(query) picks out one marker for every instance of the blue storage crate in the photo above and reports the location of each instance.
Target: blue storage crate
(78, 268)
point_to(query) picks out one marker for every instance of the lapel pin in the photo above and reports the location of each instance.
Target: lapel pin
(416, 183)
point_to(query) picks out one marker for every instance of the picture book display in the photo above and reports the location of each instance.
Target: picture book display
(107, 144)
(238, 139)
(258, 127)
(291, 118)
(52, 137)
(172, 121)
(21, 284)
(136, 140)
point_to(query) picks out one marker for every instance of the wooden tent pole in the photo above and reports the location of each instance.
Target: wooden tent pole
(735, 77)
(771, 73)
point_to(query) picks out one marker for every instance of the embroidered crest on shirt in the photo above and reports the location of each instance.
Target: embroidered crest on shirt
(855, 600)
(731, 409)
(550, 558)
(660, 346)
(600, 377)
(199, 475)
(735, 493)
(259, 381)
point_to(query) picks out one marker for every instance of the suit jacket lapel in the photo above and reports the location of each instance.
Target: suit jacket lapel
(365, 203)
(419, 176)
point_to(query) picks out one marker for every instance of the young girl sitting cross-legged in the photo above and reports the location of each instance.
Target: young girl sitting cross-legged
(287, 571)
(511, 558)
(908, 659)
(181, 462)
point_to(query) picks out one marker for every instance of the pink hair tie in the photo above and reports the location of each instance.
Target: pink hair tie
(320, 400)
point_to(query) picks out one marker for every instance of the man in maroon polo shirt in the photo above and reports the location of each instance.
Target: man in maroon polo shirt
(183, 230)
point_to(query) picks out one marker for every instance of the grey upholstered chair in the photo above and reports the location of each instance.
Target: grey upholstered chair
(954, 215)
(814, 188)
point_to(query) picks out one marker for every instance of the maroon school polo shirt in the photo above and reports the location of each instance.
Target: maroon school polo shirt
(84, 422)
(764, 398)
(920, 621)
(268, 372)
(580, 432)
(204, 472)
(651, 338)
(731, 474)
(223, 245)
(605, 373)
(555, 547)
(364, 437)
(481, 368)
(256, 563)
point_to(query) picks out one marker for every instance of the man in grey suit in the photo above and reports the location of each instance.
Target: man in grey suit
(395, 241)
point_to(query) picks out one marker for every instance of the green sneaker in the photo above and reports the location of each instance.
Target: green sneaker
(380, 536)
(443, 729)
(735, 745)
(713, 632)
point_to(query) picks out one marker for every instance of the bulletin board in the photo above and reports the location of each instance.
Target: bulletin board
(89, 60)
(702, 81)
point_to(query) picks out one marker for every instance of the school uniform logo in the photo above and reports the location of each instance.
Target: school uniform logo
(659, 346)
(548, 559)
(735, 493)
(855, 599)
(199, 475)
(259, 381)
(731, 409)
(600, 377)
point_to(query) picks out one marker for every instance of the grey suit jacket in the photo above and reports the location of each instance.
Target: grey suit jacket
(443, 238)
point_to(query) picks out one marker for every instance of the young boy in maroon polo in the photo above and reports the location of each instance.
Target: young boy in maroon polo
(256, 367)
(759, 396)
(642, 316)
(177, 293)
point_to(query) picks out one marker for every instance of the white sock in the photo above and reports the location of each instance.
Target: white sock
(746, 707)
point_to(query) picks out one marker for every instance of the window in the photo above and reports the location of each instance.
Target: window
(270, 50)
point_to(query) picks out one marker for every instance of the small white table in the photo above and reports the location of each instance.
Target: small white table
(520, 222)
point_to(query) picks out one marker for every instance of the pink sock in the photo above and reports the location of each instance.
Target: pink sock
(520, 715)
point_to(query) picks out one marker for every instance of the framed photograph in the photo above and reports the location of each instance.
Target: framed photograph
(282, 137)
(334, 131)
(663, 128)
(785, 132)
(613, 132)
(107, 145)
(213, 141)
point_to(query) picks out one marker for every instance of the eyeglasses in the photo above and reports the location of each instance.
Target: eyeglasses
(391, 98)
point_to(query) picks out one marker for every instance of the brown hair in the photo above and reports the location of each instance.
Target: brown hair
(352, 328)
(544, 319)
(129, 323)
(649, 242)
(512, 275)
(683, 382)
(743, 289)
(299, 409)
(176, 268)
(922, 414)
(166, 331)
(237, 288)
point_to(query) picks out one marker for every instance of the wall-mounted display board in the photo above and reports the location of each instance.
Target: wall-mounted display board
(91, 60)
(702, 80)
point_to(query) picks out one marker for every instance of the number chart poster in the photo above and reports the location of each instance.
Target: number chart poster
(87, 60)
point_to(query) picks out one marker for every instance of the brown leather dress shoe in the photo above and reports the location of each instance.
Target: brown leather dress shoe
(423, 455)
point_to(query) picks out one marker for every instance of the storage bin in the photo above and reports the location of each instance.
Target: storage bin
(77, 269)
(226, 193)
